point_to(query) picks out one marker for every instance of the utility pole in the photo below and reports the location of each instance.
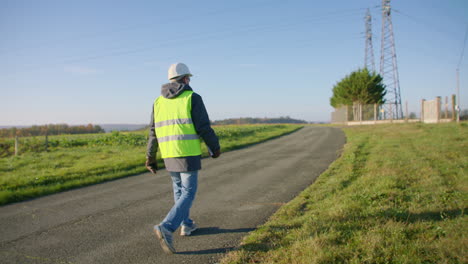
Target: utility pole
(388, 63)
(458, 96)
(369, 61)
(458, 107)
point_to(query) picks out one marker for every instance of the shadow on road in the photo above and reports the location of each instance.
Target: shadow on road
(216, 230)
(207, 251)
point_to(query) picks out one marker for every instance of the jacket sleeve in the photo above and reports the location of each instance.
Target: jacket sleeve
(152, 146)
(201, 121)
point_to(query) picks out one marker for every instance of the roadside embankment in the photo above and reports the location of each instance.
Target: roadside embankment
(397, 194)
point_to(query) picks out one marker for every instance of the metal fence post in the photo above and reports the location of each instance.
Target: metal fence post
(360, 113)
(446, 107)
(375, 113)
(454, 110)
(406, 110)
(391, 113)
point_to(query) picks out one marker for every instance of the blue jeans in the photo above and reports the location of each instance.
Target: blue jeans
(184, 185)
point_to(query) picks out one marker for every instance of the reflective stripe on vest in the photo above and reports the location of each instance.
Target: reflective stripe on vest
(173, 122)
(177, 137)
(174, 127)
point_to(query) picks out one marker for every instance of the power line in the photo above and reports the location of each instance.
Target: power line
(247, 29)
(195, 37)
(141, 25)
(424, 23)
(336, 16)
(149, 25)
(463, 49)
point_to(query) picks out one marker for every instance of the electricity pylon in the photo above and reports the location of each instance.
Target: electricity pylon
(388, 63)
(369, 61)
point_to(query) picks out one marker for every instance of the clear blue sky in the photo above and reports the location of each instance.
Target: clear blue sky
(88, 61)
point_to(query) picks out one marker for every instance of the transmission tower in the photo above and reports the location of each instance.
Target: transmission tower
(388, 63)
(369, 61)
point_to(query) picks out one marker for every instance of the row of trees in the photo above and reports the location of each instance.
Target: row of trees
(51, 129)
(250, 120)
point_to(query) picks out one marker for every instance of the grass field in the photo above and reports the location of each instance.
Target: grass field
(397, 194)
(79, 160)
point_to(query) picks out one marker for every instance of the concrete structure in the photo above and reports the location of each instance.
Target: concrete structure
(432, 111)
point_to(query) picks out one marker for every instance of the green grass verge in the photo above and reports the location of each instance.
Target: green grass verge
(75, 161)
(397, 194)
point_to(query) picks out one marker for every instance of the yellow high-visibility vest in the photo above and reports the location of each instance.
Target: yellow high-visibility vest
(174, 127)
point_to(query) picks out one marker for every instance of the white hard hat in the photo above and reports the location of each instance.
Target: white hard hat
(178, 69)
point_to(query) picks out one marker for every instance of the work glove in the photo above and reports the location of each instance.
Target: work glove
(151, 164)
(216, 154)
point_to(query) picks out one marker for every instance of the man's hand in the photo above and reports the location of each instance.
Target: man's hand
(216, 154)
(151, 165)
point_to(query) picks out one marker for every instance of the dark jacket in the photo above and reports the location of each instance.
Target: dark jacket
(202, 125)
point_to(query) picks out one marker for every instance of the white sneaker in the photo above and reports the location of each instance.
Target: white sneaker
(165, 238)
(186, 230)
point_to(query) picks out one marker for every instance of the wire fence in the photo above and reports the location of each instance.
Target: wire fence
(431, 111)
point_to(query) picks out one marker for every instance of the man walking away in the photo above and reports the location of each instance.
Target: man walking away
(178, 121)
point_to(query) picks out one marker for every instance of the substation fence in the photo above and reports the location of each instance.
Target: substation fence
(432, 111)
(436, 111)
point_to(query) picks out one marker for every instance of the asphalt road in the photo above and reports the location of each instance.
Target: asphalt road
(112, 222)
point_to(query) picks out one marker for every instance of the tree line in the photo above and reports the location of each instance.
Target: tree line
(251, 120)
(50, 129)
